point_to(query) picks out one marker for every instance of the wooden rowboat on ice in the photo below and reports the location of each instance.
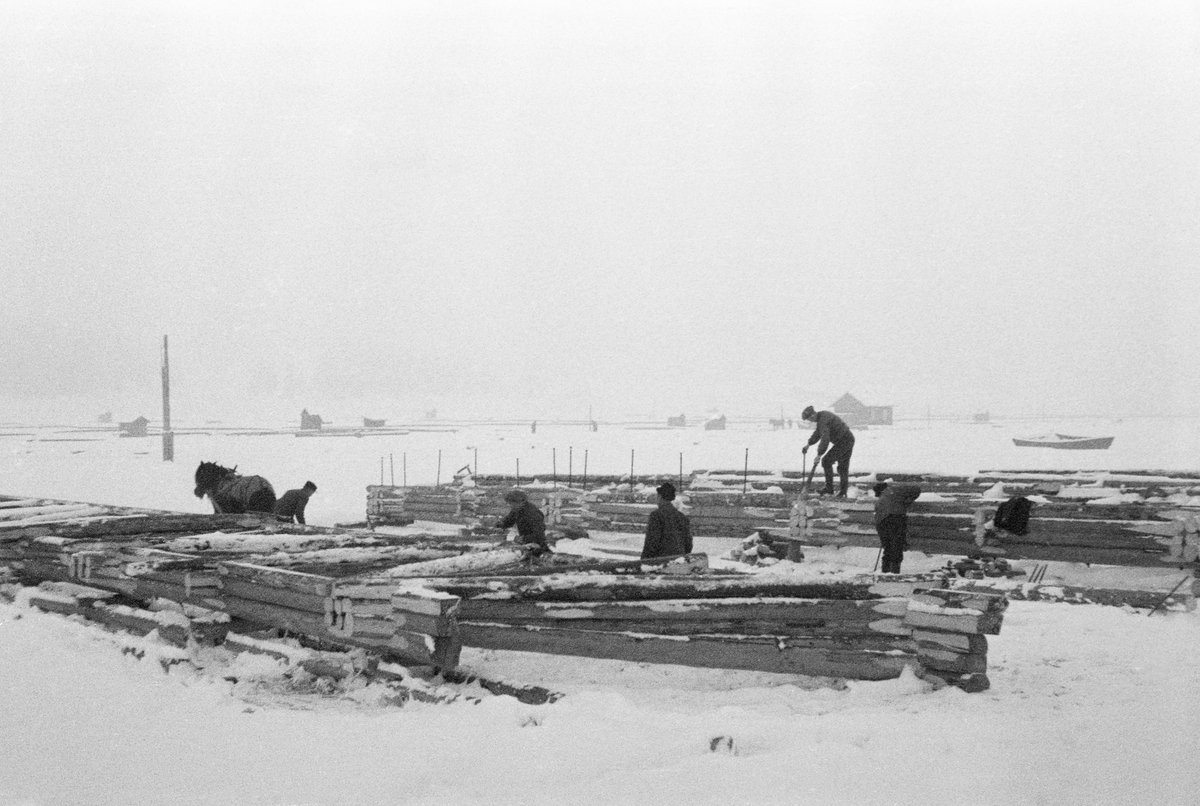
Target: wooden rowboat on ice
(1064, 441)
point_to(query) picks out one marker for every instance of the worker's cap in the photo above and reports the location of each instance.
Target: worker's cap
(666, 491)
(515, 497)
(808, 412)
(879, 488)
(308, 485)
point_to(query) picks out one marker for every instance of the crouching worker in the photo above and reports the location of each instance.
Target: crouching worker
(529, 520)
(291, 504)
(668, 531)
(891, 521)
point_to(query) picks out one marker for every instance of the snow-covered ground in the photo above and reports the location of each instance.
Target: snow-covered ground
(1088, 704)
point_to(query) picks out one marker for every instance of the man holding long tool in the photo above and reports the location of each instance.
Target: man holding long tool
(836, 444)
(891, 521)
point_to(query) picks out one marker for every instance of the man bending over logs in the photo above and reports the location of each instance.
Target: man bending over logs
(833, 434)
(891, 521)
(290, 506)
(529, 520)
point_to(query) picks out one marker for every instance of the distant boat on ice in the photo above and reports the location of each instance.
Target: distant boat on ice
(1064, 441)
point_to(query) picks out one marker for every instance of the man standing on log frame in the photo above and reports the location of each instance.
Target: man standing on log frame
(832, 433)
(891, 521)
(529, 520)
(668, 531)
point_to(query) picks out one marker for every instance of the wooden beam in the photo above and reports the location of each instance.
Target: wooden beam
(787, 656)
(270, 615)
(271, 577)
(812, 617)
(657, 587)
(283, 597)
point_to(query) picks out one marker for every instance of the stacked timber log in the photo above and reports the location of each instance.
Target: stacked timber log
(732, 514)
(147, 573)
(468, 504)
(107, 608)
(414, 625)
(415, 628)
(385, 506)
(615, 515)
(950, 629)
(276, 597)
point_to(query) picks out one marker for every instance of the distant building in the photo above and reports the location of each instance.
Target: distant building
(106, 417)
(134, 428)
(715, 424)
(854, 412)
(677, 422)
(431, 414)
(370, 423)
(982, 417)
(310, 422)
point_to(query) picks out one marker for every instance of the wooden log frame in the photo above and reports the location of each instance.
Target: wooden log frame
(863, 633)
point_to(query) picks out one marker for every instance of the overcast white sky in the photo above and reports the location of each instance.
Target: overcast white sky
(526, 207)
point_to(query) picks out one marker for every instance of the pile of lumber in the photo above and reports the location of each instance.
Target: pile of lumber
(470, 505)
(950, 629)
(399, 622)
(183, 626)
(415, 625)
(174, 625)
(385, 505)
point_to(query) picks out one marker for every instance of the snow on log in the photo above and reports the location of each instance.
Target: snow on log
(471, 562)
(277, 578)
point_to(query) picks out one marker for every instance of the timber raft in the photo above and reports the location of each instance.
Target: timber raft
(416, 600)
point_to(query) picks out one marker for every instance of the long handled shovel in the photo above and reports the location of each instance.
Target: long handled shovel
(811, 473)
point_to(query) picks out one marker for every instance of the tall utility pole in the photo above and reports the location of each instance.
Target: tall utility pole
(168, 436)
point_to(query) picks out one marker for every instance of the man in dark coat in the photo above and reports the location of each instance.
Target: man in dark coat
(833, 434)
(529, 520)
(891, 521)
(668, 532)
(291, 504)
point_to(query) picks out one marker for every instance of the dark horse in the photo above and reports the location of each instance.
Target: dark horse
(231, 492)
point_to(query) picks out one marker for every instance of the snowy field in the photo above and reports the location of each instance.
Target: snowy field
(1088, 704)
